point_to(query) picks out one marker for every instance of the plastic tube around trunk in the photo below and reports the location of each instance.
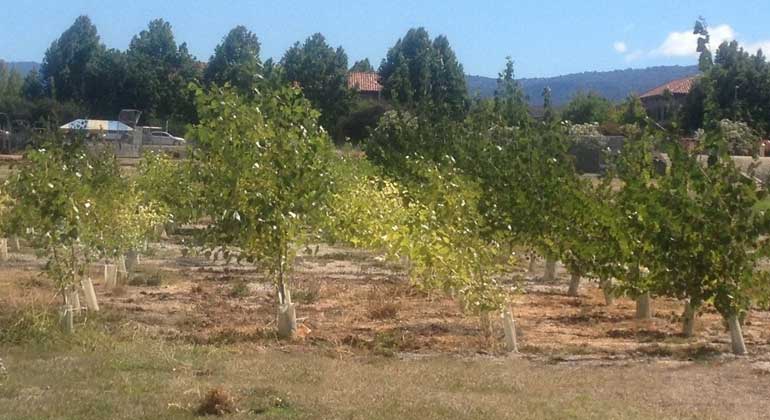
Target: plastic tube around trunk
(287, 320)
(644, 306)
(736, 335)
(510, 331)
(90, 294)
(110, 276)
(73, 299)
(66, 319)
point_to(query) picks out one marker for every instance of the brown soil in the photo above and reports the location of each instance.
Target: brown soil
(352, 302)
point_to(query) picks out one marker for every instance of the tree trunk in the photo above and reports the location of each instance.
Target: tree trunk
(644, 306)
(90, 294)
(66, 319)
(486, 324)
(3, 249)
(532, 260)
(510, 331)
(688, 319)
(110, 276)
(574, 285)
(550, 269)
(15, 245)
(736, 335)
(609, 297)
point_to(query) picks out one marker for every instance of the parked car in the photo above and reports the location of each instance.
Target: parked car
(165, 139)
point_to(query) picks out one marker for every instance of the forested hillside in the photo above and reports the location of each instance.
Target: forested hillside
(614, 85)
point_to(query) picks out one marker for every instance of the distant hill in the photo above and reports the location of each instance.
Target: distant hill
(614, 85)
(23, 67)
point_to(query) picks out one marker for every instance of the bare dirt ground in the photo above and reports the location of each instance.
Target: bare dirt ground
(353, 302)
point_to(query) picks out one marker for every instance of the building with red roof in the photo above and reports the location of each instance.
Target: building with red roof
(366, 84)
(663, 101)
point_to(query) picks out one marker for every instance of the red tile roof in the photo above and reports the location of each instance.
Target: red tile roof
(677, 87)
(364, 82)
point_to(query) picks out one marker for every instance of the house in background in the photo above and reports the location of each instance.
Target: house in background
(662, 102)
(366, 84)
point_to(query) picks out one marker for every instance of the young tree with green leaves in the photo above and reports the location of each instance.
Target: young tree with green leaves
(72, 205)
(710, 239)
(261, 167)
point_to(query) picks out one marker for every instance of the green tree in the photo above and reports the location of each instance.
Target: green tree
(322, 73)
(363, 66)
(159, 74)
(262, 168)
(705, 59)
(417, 70)
(709, 239)
(587, 108)
(236, 61)
(107, 79)
(33, 87)
(632, 111)
(549, 115)
(510, 102)
(66, 62)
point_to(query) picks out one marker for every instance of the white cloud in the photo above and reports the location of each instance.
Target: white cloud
(620, 47)
(685, 43)
(633, 56)
(752, 47)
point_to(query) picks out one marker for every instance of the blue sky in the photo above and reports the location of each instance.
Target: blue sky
(545, 38)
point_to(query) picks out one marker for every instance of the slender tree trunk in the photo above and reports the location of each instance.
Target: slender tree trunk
(644, 306)
(486, 324)
(510, 331)
(574, 285)
(532, 260)
(736, 335)
(606, 285)
(550, 269)
(15, 245)
(688, 319)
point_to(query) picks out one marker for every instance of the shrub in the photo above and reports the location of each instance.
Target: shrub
(217, 402)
